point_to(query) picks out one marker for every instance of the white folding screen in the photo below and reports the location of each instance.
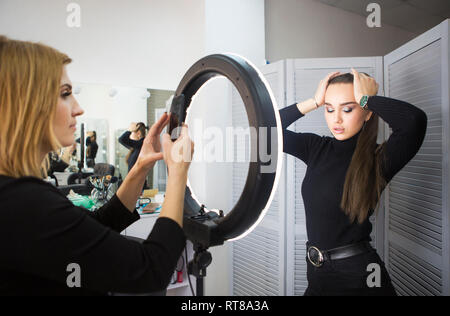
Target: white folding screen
(303, 76)
(411, 228)
(417, 199)
(258, 260)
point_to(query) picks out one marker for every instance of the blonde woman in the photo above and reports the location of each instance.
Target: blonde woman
(41, 232)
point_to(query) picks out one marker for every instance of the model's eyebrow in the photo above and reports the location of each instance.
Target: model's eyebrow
(342, 104)
(66, 85)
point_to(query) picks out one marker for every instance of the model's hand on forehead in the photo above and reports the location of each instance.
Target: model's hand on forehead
(132, 127)
(319, 97)
(363, 85)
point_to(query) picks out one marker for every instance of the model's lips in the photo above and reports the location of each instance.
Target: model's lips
(338, 130)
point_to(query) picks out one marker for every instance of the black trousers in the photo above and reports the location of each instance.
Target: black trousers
(349, 277)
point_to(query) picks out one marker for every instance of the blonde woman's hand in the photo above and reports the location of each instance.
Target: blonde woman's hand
(151, 147)
(178, 154)
(363, 85)
(319, 97)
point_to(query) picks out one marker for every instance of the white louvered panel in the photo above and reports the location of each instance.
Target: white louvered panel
(258, 259)
(416, 192)
(300, 281)
(255, 263)
(240, 169)
(300, 170)
(272, 78)
(412, 275)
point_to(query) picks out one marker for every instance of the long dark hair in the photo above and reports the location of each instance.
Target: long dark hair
(364, 181)
(140, 127)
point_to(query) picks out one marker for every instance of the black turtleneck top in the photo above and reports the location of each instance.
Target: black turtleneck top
(328, 159)
(129, 143)
(42, 233)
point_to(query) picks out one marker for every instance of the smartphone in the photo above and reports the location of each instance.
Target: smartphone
(177, 116)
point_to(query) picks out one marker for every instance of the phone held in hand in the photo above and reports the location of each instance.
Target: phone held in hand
(177, 117)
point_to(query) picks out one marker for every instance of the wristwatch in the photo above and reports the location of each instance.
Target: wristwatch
(363, 101)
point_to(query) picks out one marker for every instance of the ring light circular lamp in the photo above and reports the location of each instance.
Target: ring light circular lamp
(204, 227)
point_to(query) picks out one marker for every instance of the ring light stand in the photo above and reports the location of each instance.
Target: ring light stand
(208, 228)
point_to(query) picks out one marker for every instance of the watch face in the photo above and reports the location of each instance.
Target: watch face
(363, 101)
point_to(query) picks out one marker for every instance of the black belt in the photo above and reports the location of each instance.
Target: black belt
(318, 257)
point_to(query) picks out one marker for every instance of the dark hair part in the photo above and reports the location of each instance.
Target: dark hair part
(364, 181)
(140, 127)
(94, 134)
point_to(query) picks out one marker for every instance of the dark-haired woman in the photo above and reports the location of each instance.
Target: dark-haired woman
(345, 177)
(133, 140)
(91, 148)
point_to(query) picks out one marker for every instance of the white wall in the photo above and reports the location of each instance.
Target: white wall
(310, 29)
(136, 45)
(140, 43)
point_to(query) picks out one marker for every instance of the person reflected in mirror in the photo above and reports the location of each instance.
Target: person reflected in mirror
(50, 246)
(345, 176)
(91, 148)
(133, 139)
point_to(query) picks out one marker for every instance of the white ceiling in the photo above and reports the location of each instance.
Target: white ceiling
(416, 16)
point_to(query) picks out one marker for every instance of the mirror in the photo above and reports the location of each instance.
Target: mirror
(107, 110)
(158, 103)
(101, 129)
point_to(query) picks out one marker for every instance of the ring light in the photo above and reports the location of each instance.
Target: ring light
(207, 228)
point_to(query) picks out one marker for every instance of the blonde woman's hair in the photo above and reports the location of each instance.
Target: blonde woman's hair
(30, 78)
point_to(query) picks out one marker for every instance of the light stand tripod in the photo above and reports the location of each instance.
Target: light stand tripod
(197, 267)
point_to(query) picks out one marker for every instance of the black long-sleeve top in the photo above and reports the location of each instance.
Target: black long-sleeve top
(125, 140)
(328, 159)
(93, 148)
(42, 232)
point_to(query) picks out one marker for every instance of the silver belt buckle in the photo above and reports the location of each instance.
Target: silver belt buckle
(317, 259)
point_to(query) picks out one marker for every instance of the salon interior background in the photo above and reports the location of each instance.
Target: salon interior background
(151, 43)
